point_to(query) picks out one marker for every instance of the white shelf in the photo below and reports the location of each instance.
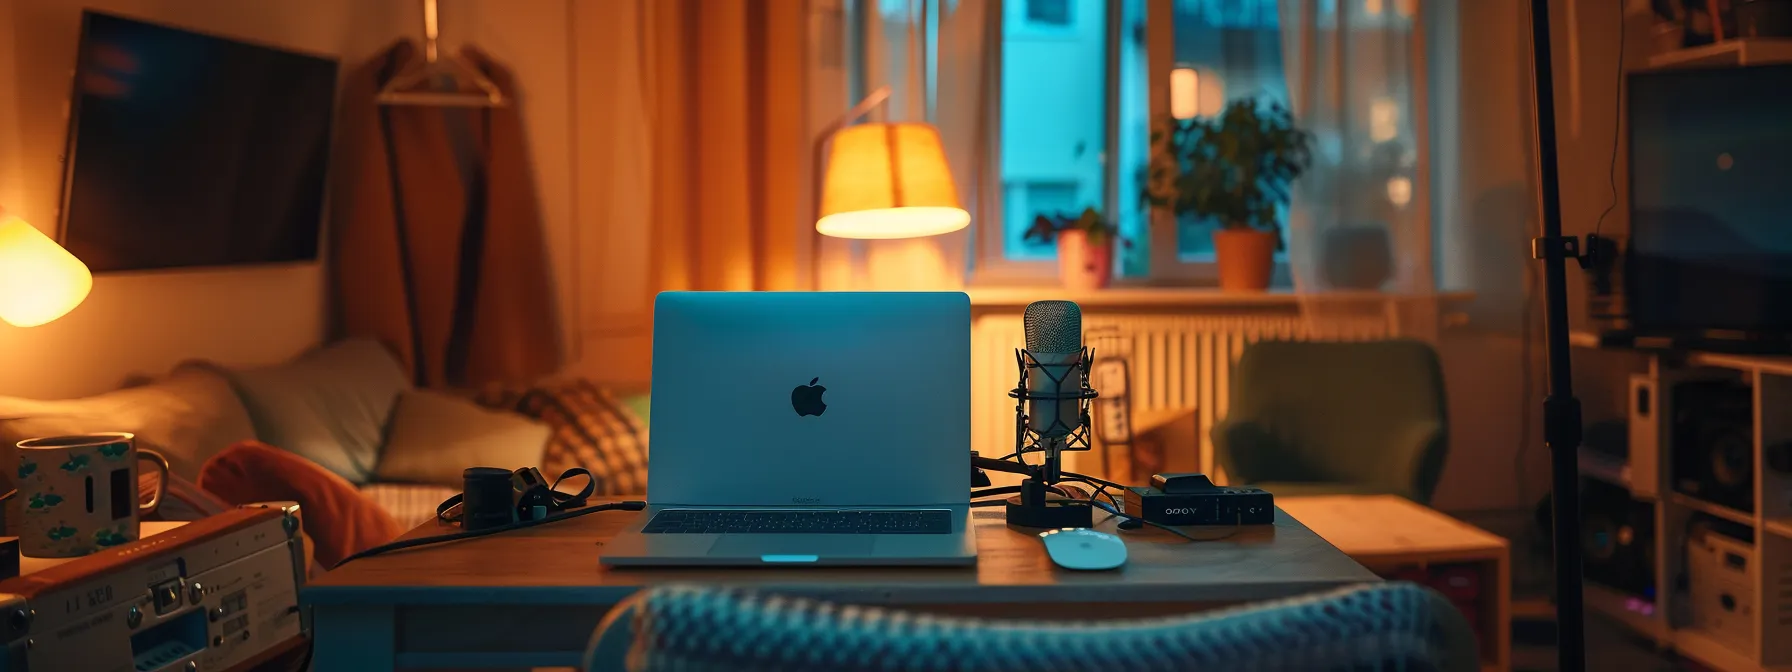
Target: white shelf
(1708, 650)
(1692, 643)
(1771, 378)
(1739, 52)
(1779, 526)
(1624, 609)
(1778, 366)
(1606, 468)
(1709, 508)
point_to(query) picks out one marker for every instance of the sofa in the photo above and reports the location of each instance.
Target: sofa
(350, 410)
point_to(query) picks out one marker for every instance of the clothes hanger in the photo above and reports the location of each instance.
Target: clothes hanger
(440, 81)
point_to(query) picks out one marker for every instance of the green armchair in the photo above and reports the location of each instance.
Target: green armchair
(1329, 418)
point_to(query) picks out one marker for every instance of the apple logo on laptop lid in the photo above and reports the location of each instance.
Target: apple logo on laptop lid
(806, 399)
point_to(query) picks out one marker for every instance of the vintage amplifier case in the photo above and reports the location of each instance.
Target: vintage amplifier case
(215, 594)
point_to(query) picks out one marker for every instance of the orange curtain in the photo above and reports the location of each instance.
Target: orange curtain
(724, 90)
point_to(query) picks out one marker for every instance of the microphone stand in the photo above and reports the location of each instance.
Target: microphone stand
(1034, 507)
(1561, 411)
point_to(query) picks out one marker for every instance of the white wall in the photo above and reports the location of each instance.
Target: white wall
(145, 322)
(597, 229)
(1484, 160)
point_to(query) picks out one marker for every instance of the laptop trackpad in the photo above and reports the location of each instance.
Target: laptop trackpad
(791, 546)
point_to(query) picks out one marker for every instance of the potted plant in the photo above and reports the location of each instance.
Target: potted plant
(1236, 170)
(1085, 247)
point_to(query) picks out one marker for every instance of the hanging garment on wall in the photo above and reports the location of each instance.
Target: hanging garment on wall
(437, 241)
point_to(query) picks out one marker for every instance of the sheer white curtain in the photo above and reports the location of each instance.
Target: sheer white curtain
(937, 58)
(1359, 220)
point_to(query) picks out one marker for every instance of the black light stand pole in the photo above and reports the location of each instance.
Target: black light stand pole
(1561, 411)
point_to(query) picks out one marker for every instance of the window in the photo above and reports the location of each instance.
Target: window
(1049, 12)
(1053, 120)
(1235, 50)
(1075, 121)
(1033, 196)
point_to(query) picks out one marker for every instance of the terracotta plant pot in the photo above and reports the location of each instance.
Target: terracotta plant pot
(1247, 258)
(1081, 265)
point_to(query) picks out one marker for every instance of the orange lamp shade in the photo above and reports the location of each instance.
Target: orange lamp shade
(39, 281)
(889, 181)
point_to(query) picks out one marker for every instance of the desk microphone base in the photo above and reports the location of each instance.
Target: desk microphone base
(1033, 508)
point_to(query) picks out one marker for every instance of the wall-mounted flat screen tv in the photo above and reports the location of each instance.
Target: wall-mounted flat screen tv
(189, 150)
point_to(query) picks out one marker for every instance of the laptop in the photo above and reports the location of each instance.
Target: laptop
(807, 428)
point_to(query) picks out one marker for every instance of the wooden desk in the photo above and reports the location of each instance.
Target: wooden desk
(1390, 535)
(532, 598)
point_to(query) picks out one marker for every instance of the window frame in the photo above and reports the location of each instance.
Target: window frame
(991, 265)
(1046, 30)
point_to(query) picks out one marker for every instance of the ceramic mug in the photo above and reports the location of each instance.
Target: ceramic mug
(78, 494)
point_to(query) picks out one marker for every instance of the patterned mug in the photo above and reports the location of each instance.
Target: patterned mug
(79, 494)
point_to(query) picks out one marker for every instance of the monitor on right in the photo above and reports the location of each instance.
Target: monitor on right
(1710, 250)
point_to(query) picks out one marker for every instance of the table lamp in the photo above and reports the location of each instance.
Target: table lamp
(39, 280)
(884, 180)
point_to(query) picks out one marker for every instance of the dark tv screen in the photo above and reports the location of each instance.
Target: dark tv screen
(1711, 200)
(188, 150)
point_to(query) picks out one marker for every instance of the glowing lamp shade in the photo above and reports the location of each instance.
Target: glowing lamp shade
(39, 281)
(889, 181)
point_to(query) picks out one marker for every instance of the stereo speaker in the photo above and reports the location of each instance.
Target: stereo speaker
(1618, 539)
(1713, 434)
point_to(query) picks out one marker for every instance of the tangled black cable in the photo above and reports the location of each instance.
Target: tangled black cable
(1113, 505)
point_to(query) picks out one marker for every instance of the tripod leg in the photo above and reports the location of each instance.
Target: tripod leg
(1561, 411)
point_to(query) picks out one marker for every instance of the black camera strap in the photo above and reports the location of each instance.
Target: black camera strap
(532, 490)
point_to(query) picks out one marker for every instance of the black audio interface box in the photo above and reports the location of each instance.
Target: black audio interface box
(1209, 505)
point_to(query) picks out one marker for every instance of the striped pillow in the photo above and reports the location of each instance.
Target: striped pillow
(591, 430)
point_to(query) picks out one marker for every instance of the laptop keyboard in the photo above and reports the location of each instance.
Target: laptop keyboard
(774, 521)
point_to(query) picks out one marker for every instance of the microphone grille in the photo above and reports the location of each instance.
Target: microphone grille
(1054, 326)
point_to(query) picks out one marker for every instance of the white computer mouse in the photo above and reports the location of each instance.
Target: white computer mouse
(1083, 549)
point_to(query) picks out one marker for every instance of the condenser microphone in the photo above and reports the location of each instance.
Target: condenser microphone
(1054, 354)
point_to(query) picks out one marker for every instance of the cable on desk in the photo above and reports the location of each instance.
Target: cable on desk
(1010, 490)
(469, 534)
(1229, 533)
(1112, 506)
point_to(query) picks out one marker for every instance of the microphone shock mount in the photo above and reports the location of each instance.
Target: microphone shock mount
(1035, 506)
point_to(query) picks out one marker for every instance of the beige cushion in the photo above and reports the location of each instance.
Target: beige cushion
(330, 406)
(188, 416)
(591, 431)
(435, 436)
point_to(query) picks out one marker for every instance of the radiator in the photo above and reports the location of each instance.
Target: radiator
(1177, 362)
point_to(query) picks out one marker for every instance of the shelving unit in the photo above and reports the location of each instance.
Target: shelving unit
(1605, 468)
(1735, 53)
(1714, 510)
(1666, 618)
